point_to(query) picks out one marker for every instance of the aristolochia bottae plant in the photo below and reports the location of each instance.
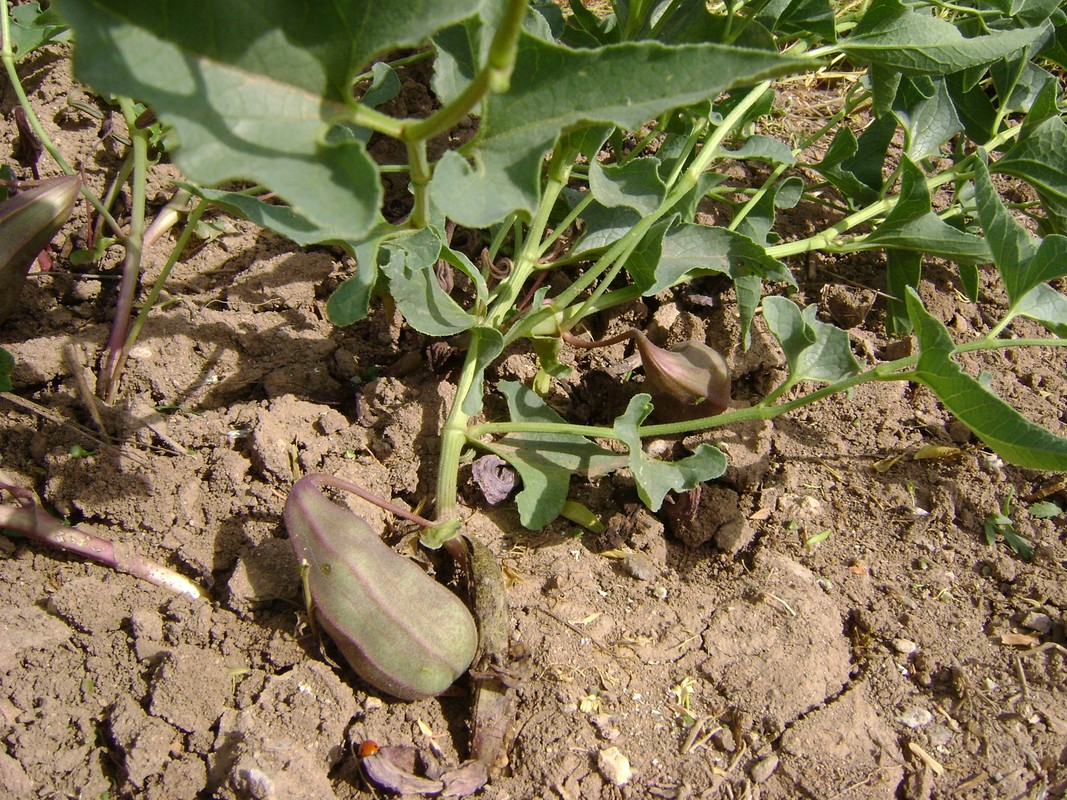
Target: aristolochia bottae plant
(598, 138)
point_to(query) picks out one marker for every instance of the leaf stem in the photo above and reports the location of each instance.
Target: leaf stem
(495, 76)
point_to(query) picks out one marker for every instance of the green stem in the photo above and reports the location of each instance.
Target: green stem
(495, 76)
(890, 371)
(827, 239)
(420, 183)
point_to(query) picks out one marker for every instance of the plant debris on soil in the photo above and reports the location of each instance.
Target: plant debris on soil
(827, 620)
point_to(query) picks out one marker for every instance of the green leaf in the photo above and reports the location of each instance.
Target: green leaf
(32, 28)
(545, 461)
(758, 223)
(1045, 305)
(911, 225)
(814, 351)
(636, 184)
(350, 302)
(903, 270)
(1044, 510)
(1023, 261)
(765, 148)
(413, 283)
(655, 478)
(1007, 432)
(1040, 159)
(7, 369)
(892, 35)
(843, 147)
(690, 250)
(925, 110)
(253, 89)
(280, 219)
(559, 88)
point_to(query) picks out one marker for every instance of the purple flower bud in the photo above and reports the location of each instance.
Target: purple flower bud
(689, 381)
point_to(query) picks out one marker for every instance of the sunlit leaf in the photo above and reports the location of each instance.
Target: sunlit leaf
(655, 478)
(814, 351)
(1009, 434)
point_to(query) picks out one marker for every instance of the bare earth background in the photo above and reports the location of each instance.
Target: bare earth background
(900, 657)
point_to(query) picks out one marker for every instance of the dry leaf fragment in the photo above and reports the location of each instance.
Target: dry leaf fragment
(1019, 639)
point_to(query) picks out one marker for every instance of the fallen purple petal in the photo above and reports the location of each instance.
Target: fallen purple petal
(495, 478)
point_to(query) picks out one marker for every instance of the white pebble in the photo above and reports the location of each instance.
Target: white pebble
(614, 766)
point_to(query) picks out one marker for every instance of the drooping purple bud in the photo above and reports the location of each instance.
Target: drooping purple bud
(689, 381)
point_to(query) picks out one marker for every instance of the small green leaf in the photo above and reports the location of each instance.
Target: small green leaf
(414, 285)
(1010, 435)
(765, 148)
(546, 461)
(1044, 510)
(925, 110)
(1023, 261)
(912, 225)
(656, 478)
(814, 351)
(1045, 305)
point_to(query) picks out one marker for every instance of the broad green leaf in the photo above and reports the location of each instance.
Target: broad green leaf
(252, 89)
(654, 478)
(800, 16)
(758, 223)
(545, 461)
(973, 107)
(689, 250)
(789, 327)
(1045, 305)
(414, 285)
(603, 226)
(869, 162)
(911, 225)
(814, 351)
(1013, 248)
(32, 28)
(832, 167)
(892, 35)
(350, 302)
(765, 148)
(280, 219)
(1040, 159)
(926, 112)
(559, 88)
(1007, 432)
(636, 184)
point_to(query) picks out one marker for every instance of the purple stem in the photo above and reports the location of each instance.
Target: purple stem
(34, 522)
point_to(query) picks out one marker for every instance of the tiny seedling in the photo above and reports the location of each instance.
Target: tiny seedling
(999, 525)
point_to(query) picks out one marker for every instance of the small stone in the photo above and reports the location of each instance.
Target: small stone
(915, 717)
(1036, 621)
(904, 646)
(639, 566)
(764, 768)
(660, 592)
(939, 734)
(614, 766)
